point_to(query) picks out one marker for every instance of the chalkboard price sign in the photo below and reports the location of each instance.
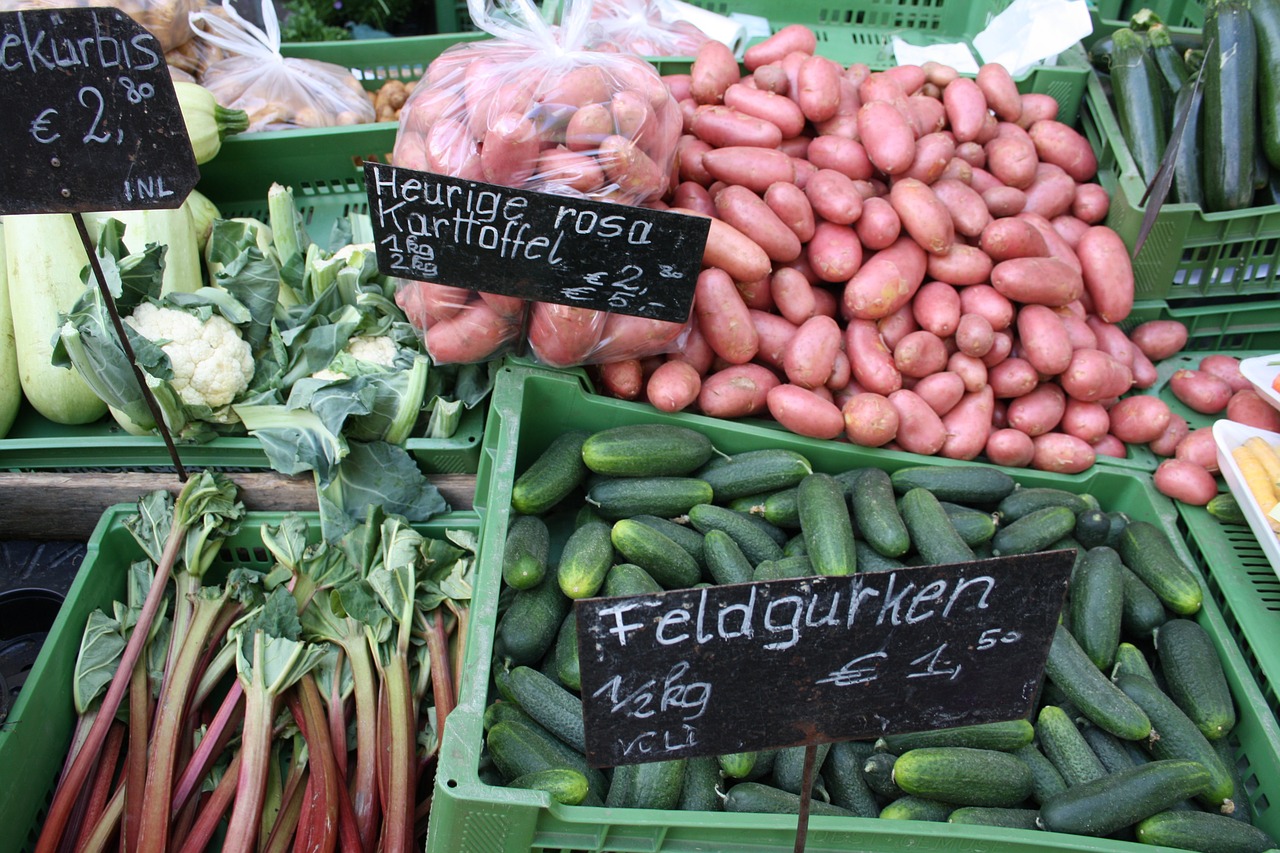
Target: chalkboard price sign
(536, 246)
(782, 663)
(91, 118)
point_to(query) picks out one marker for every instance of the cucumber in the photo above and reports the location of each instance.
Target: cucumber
(756, 797)
(1146, 550)
(783, 568)
(1092, 527)
(1240, 796)
(909, 807)
(1179, 738)
(932, 532)
(1266, 25)
(1110, 750)
(556, 472)
(1135, 86)
(1230, 109)
(562, 784)
(502, 709)
(1142, 611)
(871, 560)
(755, 543)
(845, 783)
(1194, 677)
(1097, 698)
(629, 579)
(1006, 736)
(1225, 508)
(1205, 831)
(754, 471)
(1130, 660)
(1119, 521)
(1117, 800)
(788, 766)
(518, 748)
(876, 513)
(963, 775)
(1062, 743)
(524, 555)
(877, 772)
(666, 497)
(1011, 818)
(653, 785)
(971, 485)
(725, 560)
(1034, 531)
(795, 547)
(974, 526)
(664, 560)
(554, 708)
(825, 523)
(699, 790)
(681, 534)
(1171, 69)
(646, 450)
(528, 629)
(1096, 608)
(1188, 182)
(1046, 780)
(1024, 501)
(739, 765)
(565, 654)
(782, 508)
(585, 559)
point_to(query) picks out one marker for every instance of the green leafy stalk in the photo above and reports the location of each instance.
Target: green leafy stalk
(294, 789)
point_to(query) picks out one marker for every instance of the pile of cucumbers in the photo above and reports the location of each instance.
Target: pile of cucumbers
(1229, 156)
(1131, 737)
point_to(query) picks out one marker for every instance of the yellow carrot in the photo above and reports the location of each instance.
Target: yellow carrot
(1255, 477)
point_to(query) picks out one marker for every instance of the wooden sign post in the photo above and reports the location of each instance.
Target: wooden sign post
(92, 123)
(774, 664)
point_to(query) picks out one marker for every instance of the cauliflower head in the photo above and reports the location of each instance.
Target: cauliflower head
(212, 363)
(378, 349)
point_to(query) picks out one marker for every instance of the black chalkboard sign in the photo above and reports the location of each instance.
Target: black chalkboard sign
(537, 246)
(91, 121)
(781, 663)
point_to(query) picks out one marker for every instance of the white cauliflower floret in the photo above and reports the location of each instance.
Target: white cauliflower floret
(329, 375)
(376, 349)
(212, 363)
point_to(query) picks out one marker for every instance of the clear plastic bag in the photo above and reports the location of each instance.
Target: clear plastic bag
(277, 92)
(643, 27)
(164, 19)
(533, 109)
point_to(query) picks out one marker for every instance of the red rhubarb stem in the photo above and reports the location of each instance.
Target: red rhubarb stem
(255, 753)
(216, 806)
(215, 740)
(136, 760)
(103, 778)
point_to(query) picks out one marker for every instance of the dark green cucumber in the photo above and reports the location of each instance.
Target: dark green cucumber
(782, 508)
(1225, 508)
(1230, 110)
(875, 510)
(1194, 676)
(739, 765)
(963, 776)
(725, 560)
(910, 807)
(520, 747)
(528, 628)
(562, 784)
(1170, 66)
(1098, 699)
(1034, 531)
(932, 532)
(1006, 736)
(556, 472)
(1046, 780)
(585, 559)
(681, 534)
(754, 471)
(1012, 818)
(756, 797)
(699, 792)
(826, 525)
(646, 450)
(971, 485)
(1240, 796)
(1092, 527)
(1188, 830)
(1117, 800)
(1119, 522)
(1146, 550)
(974, 525)
(1142, 611)
(629, 579)
(1135, 86)
(1062, 743)
(503, 709)
(666, 497)
(1096, 608)
(1026, 500)
(1266, 26)
(783, 568)
(555, 708)
(653, 785)
(795, 547)
(1110, 750)
(755, 543)
(664, 560)
(845, 782)
(871, 560)
(1130, 660)
(877, 772)
(1179, 738)
(565, 654)
(524, 555)
(788, 766)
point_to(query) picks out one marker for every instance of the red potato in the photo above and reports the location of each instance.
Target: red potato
(622, 379)
(636, 175)
(879, 86)
(973, 154)
(938, 73)
(1069, 228)
(1086, 421)
(626, 336)
(797, 148)
(1064, 146)
(689, 163)
(870, 359)
(749, 213)
(966, 107)
(825, 302)
(933, 152)
(1000, 91)
(1107, 272)
(509, 308)
(722, 126)
(841, 369)
(925, 114)
(771, 78)
(1009, 238)
(974, 335)
(970, 369)
(790, 204)
(833, 196)
(969, 213)
(818, 92)
(1185, 481)
(757, 169)
(790, 39)
(1160, 339)
(1199, 391)
(968, 425)
(982, 180)
(588, 127)
(1094, 376)
(920, 354)
(695, 350)
(723, 318)
(1004, 201)
(845, 120)
(1001, 347)
(1248, 407)
(986, 301)
(756, 294)
(776, 109)
(810, 355)
(1011, 158)
(426, 303)
(1046, 343)
(1112, 340)
(1037, 106)
(1051, 193)
(792, 294)
(960, 265)
(838, 153)
(1091, 204)
(1199, 448)
(1082, 337)
(679, 85)
(634, 118)
(923, 215)
(936, 308)
(885, 282)
(1111, 446)
(1039, 281)
(805, 412)
(1059, 249)
(1000, 417)
(1139, 419)
(879, 226)
(1010, 447)
(452, 150)
(1062, 454)
(886, 136)
(897, 325)
(1144, 372)
(920, 430)
(958, 170)
(564, 335)
(714, 70)
(1174, 433)
(693, 196)
(560, 168)
(1012, 378)
(739, 391)
(673, 387)
(473, 334)
(870, 420)
(729, 249)
(773, 332)
(835, 252)
(940, 390)
(803, 170)
(1225, 367)
(910, 77)
(1038, 411)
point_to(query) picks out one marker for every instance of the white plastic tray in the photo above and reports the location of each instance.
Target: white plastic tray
(1228, 435)
(1261, 371)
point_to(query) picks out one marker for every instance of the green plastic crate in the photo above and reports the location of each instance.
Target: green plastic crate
(1189, 254)
(34, 739)
(469, 815)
